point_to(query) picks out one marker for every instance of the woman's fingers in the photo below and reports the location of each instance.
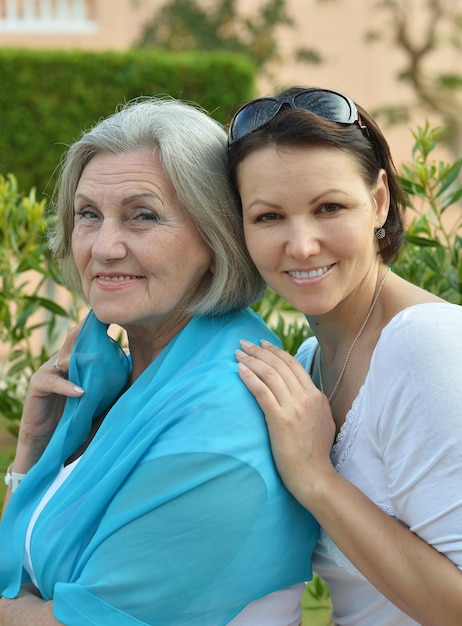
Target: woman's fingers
(266, 359)
(284, 393)
(52, 376)
(298, 415)
(48, 380)
(266, 395)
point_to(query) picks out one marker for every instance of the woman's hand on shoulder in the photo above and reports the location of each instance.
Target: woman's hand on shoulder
(298, 416)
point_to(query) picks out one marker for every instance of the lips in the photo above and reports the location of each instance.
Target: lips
(304, 275)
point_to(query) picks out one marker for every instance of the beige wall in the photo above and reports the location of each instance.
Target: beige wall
(367, 73)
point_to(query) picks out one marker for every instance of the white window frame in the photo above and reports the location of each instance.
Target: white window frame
(47, 17)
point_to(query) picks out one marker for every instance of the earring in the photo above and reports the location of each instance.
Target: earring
(380, 232)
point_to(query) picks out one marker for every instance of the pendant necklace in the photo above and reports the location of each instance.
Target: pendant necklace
(355, 340)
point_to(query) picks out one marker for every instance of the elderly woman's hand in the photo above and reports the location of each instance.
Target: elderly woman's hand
(44, 405)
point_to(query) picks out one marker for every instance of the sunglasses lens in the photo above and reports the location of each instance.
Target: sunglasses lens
(331, 106)
(252, 116)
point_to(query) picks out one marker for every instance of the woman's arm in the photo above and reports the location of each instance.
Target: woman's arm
(28, 609)
(43, 408)
(422, 582)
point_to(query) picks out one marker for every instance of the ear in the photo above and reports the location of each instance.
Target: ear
(381, 196)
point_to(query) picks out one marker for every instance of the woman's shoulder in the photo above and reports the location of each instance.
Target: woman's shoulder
(420, 341)
(306, 352)
(436, 317)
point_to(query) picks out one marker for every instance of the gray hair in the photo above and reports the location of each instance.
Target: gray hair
(193, 150)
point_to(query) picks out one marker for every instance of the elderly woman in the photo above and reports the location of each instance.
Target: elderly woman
(152, 497)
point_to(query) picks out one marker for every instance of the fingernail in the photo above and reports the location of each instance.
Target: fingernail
(78, 389)
(263, 342)
(245, 343)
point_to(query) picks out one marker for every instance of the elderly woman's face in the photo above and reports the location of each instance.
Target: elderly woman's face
(140, 256)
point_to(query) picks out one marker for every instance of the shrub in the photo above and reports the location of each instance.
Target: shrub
(29, 314)
(432, 257)
(49, 96)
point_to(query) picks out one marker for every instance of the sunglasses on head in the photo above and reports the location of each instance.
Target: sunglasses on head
(329, 105)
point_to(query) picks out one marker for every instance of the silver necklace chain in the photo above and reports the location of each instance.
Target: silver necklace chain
(355, 340)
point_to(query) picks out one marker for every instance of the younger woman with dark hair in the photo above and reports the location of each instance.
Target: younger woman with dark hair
(365, 423)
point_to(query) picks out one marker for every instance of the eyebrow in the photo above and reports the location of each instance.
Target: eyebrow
(138, 196)
(260, 201)
(327, 192)
(314, 200)
(125, 201)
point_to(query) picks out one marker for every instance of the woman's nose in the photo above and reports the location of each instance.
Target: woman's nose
(109, 243)
(302, 241)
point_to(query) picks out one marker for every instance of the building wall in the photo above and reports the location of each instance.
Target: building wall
(367, 73)
(107, 24)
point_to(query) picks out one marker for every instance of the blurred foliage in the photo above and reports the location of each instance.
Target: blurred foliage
(79, 88)
(428, 36)
(253, 31)
(316, 603)
(290, 325)
(432, 257)
(27, 275)
(221, 25)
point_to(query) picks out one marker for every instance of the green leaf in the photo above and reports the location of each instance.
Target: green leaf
(450, 176)
(422, 241)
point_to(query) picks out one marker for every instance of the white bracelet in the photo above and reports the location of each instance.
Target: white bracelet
(13, 479)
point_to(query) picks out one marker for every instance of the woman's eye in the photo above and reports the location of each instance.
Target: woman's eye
(329, 208)
(146, 216)
(85, 215)
(268, 217)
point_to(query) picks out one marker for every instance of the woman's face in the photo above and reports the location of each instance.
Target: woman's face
(309, 222)
(140, 256)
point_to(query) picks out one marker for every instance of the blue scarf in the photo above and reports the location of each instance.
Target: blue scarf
(175, 514)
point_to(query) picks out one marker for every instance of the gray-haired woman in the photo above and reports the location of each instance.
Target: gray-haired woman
(152, 498)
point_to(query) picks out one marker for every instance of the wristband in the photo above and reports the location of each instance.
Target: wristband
(13, 479)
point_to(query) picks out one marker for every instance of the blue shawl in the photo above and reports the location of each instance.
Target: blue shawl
(175, 513)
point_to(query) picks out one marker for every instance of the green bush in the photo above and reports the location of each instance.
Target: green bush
(29, 318)
(432, 257)
(48, 97)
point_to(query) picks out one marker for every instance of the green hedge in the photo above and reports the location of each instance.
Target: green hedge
(48, 97)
